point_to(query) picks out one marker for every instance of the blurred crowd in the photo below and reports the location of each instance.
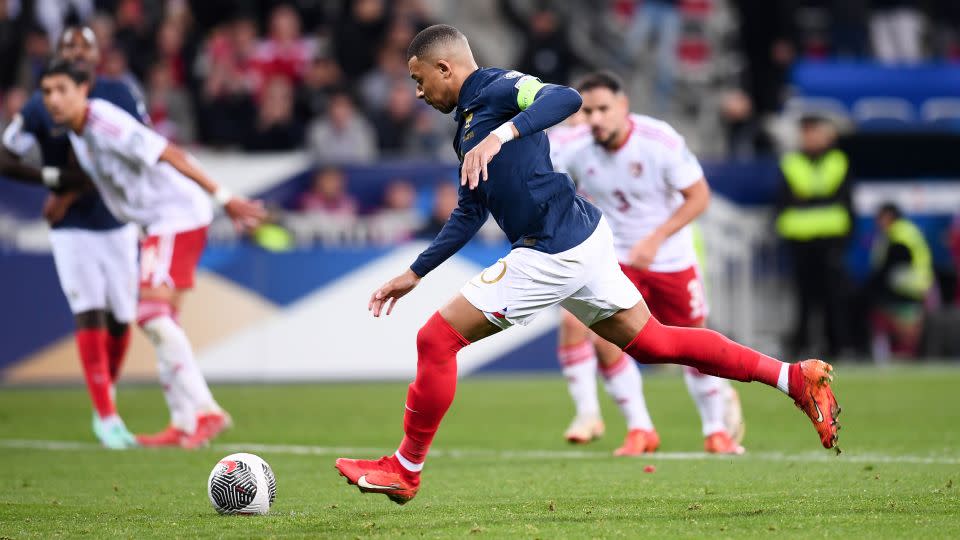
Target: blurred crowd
(330, 75)
(259, 75)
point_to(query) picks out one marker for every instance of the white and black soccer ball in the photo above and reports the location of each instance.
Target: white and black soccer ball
(242, 484)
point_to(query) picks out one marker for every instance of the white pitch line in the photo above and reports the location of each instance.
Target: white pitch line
(296, 449)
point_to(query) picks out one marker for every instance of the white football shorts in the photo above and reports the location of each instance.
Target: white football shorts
(586, 280)
(98, 269)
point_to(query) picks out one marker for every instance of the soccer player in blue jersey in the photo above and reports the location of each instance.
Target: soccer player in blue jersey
(562, 254)
(95, 254)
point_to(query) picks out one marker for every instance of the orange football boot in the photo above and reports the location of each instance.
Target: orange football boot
(384, 475)
(721, 443)
(817, 400)
(209, 425)
(168, 437)
(638, 442)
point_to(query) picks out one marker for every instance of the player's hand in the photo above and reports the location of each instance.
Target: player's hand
(475, 161)
(391, 291)
(244, 213)
(56, 206)
(644, 251)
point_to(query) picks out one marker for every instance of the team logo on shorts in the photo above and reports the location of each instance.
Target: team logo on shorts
(636, 168)
(493, 270)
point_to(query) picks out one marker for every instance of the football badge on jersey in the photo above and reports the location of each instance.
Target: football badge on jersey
(636, 169)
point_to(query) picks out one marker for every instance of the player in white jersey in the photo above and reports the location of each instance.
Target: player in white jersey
(650, 188)
(146, 180)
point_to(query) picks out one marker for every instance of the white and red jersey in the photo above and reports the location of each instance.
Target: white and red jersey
(564, 138)
(122, 155)
(637, 186)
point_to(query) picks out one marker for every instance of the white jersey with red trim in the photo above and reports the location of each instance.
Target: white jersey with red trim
(122, 155)
(637, 186)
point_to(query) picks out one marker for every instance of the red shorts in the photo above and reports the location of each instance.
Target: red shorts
(171, 259)
(674, 298)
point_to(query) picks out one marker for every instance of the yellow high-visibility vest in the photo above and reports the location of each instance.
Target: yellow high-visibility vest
(913, 280)
(809, 181)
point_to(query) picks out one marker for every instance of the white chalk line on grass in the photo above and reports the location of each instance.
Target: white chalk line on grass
(308, 450)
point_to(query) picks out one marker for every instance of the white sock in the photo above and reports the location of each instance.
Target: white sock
(182, 415)
(625, 385)
(176, 355)
(783, 380)
(579, 363)
(407, 464)
(708, 395)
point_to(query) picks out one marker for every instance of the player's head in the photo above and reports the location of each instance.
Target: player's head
(887, 214)
(817, 133)
(79, 43)
(440, 59)
(605, 106)
(64, 86)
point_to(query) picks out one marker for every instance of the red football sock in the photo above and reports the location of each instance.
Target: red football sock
(432, 391)
(708, 351)
(92, 343)
(117, 351)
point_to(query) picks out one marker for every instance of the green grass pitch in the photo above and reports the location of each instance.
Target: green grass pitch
(500, 468)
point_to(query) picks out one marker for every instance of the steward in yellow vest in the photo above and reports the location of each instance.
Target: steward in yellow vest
(814, 218)
(901, 277)
(901, 263)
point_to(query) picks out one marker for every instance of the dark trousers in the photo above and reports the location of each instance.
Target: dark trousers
(821, 284)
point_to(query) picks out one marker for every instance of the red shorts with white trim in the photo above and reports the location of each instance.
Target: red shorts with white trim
(674, 298)
(171, 259)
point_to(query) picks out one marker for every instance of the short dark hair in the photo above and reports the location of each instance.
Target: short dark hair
(77, 71)
(601, 79)
(891, 209)
(428, 38)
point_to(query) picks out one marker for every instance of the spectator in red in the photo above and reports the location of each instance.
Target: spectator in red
(328, 194)
(285, 52)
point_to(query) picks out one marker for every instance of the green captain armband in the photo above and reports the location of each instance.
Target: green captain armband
(527, 88)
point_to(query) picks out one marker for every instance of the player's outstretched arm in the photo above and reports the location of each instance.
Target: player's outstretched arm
(245, 213)
(391, 291)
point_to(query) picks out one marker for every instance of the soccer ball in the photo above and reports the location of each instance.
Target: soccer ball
(242, 484)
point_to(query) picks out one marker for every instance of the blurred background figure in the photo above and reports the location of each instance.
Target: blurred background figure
(901, 279)
(276, 129)
(343, 135)
(660, 19)
(445, 197)
(397, 219)
(896, 30)
(328, 194)
(814, 218)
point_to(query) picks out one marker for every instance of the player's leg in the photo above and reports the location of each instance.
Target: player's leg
(452, 328)
(678, 299)
(77, 256)
(122, 278)
(622, 380)
(512, 291)
(611, 306)
(578, 361)
(168, 263)
(648, 341)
